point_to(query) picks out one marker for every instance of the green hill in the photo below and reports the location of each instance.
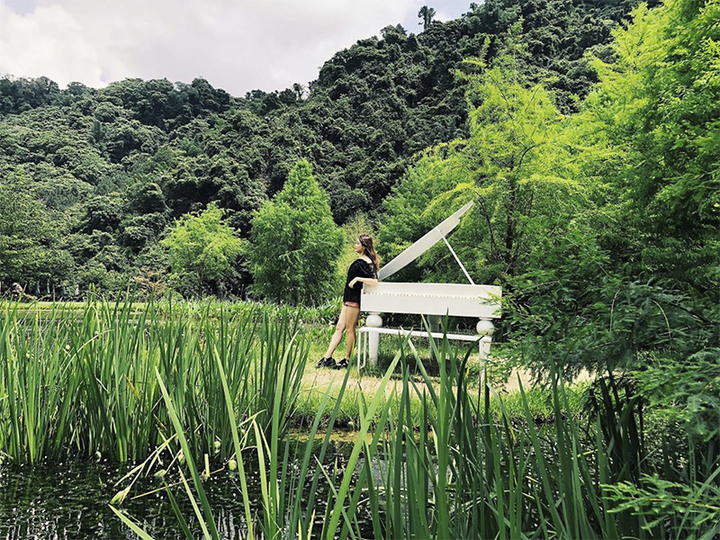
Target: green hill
(109, 169)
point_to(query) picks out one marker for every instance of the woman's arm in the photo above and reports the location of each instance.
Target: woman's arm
(366, 280)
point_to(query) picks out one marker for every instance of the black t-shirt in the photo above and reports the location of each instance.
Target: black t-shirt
(359, 268)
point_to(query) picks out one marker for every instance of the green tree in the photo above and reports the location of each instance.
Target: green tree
(634, 275)
(426, 14)
(657, 108)
(515, 165)
(653, 286)
(373, 108)
(532, 228)
(29, 251)
(203, 253)
(295, 242)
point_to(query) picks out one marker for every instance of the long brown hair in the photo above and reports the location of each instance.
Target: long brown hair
(369, 250)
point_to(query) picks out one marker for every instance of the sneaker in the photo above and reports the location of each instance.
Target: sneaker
(326, 362)
(342, 364)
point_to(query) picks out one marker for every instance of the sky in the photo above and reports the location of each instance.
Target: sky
(237, 45)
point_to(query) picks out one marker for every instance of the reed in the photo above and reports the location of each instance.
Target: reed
(74, 383)
(468, 470)
(182, 385)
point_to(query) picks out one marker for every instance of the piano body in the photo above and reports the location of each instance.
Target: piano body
(434, 300)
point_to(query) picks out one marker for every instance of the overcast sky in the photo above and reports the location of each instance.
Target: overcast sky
(238, 45)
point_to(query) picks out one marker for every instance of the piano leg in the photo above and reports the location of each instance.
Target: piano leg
(485, 347)
(485, 328)
(374, 320)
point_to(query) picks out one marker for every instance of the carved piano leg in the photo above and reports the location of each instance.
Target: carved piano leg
(374, 320)
(485, 347)
(485, 328)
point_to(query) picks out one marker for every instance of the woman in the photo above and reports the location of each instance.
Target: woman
(361, 272)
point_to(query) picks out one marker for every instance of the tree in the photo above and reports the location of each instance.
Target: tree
(295, 242)
(426, 14)
(29, 250)
(657, 108)
(514, 165)
(373, 108)
(656, 112)
(203, 253)
(531, 229)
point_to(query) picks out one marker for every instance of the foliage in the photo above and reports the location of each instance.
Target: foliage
(373, 107)
(598, 265)
(514, 164)
(426, 14)
(22, 94)
(685, 398)
(203, 253)
(671, 507)
(657, 107)
(685, 393)
(28, 240)
(640, 274)
(594, 171)
(295, 242)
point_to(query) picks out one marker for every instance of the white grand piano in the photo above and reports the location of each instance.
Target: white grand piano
(434, 300)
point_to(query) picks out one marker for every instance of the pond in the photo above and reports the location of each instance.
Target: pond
(70, 501)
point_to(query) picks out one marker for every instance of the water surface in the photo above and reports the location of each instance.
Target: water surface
(70, 501)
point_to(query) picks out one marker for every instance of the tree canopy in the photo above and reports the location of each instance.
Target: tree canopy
(114, 167)
(203, 252)
(602, 226)
(295, 242)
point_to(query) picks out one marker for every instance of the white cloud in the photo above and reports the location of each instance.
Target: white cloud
(48, 41)
(238, 45)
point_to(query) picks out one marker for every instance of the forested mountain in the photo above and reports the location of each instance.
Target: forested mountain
(90, 180)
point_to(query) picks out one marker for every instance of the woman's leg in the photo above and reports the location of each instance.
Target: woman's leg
(339, 330)
(351, 319)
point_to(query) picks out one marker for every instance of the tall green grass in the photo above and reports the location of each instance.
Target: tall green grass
(177, 386)
(467, 470)
(74, 383)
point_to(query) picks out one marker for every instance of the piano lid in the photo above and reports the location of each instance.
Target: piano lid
(422, 245)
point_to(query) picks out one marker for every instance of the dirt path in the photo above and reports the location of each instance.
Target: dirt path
(328, 379)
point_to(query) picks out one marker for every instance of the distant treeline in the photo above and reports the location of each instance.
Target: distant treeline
(90, 180)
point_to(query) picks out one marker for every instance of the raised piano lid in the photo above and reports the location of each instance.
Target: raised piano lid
(422, 245)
